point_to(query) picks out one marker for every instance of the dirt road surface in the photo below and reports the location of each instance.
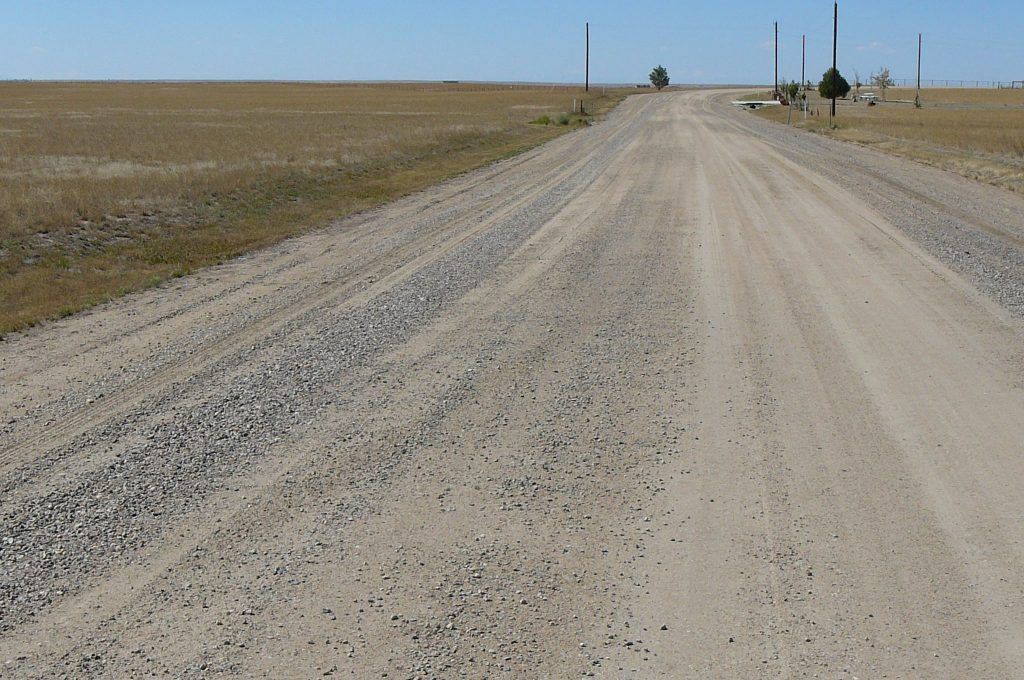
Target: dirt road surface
(662, 398)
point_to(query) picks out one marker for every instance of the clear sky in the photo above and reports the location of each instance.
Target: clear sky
(515, 40)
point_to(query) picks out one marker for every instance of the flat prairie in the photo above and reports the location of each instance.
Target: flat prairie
(112, 187)
(978, 133)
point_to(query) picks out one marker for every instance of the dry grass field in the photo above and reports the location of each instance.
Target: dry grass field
(109, 187)
(977, 133)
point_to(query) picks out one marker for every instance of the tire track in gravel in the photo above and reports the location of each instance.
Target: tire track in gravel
(774, 205)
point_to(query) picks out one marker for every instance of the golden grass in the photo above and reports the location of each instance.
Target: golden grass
(975, 132)
(109, 187)
(964, 95)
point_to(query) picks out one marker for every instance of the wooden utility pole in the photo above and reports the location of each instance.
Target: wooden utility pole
(803, 73)
(917, 100)
(835, 38)
(803, 63)
(776, 59)
(586, 85)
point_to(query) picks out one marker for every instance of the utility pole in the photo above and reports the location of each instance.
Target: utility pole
(586, 85)
(803, 64)
(917, 100)
(835, 38)
(776, 59)
(803, 73)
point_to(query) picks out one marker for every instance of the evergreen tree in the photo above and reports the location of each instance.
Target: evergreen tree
(659, 77)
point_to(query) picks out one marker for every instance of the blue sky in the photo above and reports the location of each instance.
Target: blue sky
(523, 40)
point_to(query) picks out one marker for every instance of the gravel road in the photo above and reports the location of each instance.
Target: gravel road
(682, 394)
